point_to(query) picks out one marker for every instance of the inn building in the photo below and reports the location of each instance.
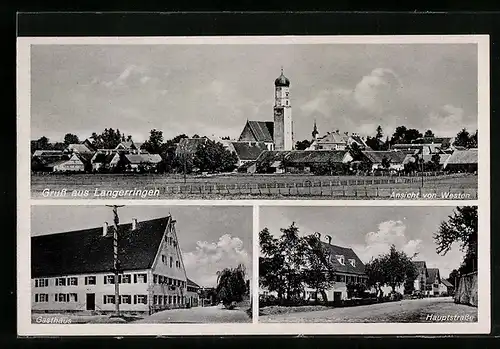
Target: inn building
(74, 271)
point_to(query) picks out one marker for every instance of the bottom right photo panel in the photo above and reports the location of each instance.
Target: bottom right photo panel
(377, 264)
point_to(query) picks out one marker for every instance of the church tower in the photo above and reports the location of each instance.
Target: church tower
(283, 132)
(315, 131)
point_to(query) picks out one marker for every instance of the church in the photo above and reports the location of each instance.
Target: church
(276, 134)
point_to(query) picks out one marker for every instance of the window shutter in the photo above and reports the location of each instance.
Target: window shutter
(135, 296)
(104, 300)
(105, 280)
(135, 281)
(36, 297)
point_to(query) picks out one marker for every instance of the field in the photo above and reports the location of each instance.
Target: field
(243, 186)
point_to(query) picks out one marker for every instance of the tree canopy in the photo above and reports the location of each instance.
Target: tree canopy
(231, 285)
(461, 227)
(392, 269)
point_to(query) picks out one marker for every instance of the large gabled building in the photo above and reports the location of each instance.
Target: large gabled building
(74, 271)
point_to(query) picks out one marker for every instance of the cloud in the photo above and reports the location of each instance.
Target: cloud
(203, 263)
(448, 120)
(376, 91)
(379, 242)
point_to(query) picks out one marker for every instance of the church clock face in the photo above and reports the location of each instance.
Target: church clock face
(278, 112)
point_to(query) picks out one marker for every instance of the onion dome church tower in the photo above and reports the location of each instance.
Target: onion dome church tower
(283, 125)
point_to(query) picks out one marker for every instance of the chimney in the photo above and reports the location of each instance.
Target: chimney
(134, 223)
(105, 229)
(329, 239)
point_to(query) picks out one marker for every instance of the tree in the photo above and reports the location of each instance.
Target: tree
(282, 261)
(462, 138)
(319, 273)
(386, 163)
(429, 134)
(436, 162)
(355, 151)
(405, 135)
(302, 145)
(391, 269)
(154, 144)
(213, 157)
(453, 277)
(461, 227)
(70, 138)
(231, 285)
(108, 139)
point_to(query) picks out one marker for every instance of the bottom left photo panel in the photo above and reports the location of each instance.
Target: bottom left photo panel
(141, 264)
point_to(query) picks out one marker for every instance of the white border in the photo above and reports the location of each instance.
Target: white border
(26, 328)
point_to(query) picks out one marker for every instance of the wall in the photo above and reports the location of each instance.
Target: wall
(466, 292)
(99, 289)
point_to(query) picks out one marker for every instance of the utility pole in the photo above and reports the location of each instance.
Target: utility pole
(116, 261)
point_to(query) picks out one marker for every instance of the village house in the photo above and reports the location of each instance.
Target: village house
(336, 141)
(138, 162)
(193, 298)
(41, 158)
(375, 159)
(462, 161)
(348, 269)
(258, 132)
(303, 161)
(74, 271)
(75, 163)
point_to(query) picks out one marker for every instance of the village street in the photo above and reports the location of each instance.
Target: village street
(206, 315)
(414, 310)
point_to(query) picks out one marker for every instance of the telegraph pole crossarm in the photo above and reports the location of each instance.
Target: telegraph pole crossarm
(116, 260)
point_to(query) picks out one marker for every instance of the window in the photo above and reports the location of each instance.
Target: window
(169, 281)
(108, 299)
(177, 264)
(171, 261)
(126, 299)
(140, 278)
(175, 299)
(169, 299)
(41, 282)
(340, 258)
(155, 299)
(109, 279)
(165, 300)
(353, 262)
(73, 297)
(73, 281)
(61, 282)
(124, 279)
(160, 279)
(164, 259)
(286, 93)
(140, 299)
(155, 278)
(41, 297)
(90, 280)
(61, 297)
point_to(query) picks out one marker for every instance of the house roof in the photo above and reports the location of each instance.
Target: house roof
(433, 275)
(79, 148)
(334, 137)
(442, 158)
(249, 151)
(103, 158)
(376, 156)
(462, 157)
(192, 283)
(348, 253)
(302, 156)
(420, 265)
(246, 165)
(446, 283)
(126, 145)
(88, 251)
(262, 130)
(143, 158)
(47, 152)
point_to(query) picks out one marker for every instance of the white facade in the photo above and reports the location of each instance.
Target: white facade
(73, 164)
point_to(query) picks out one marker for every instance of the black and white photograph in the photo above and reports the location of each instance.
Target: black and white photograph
(141, 264)
(225, 118)
(369, 264)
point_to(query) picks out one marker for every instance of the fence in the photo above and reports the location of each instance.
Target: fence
(403, 188)
(466, 292)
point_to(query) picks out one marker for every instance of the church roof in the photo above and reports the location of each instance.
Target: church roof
(282, 80)
(249, 150)
(262, 130)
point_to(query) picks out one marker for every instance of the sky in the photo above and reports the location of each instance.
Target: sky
(211, 237)
(213, 89)
(370, 231)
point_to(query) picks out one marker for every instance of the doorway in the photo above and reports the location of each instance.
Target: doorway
(90, 301)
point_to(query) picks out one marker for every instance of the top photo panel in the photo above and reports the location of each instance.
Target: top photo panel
(260, 119)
